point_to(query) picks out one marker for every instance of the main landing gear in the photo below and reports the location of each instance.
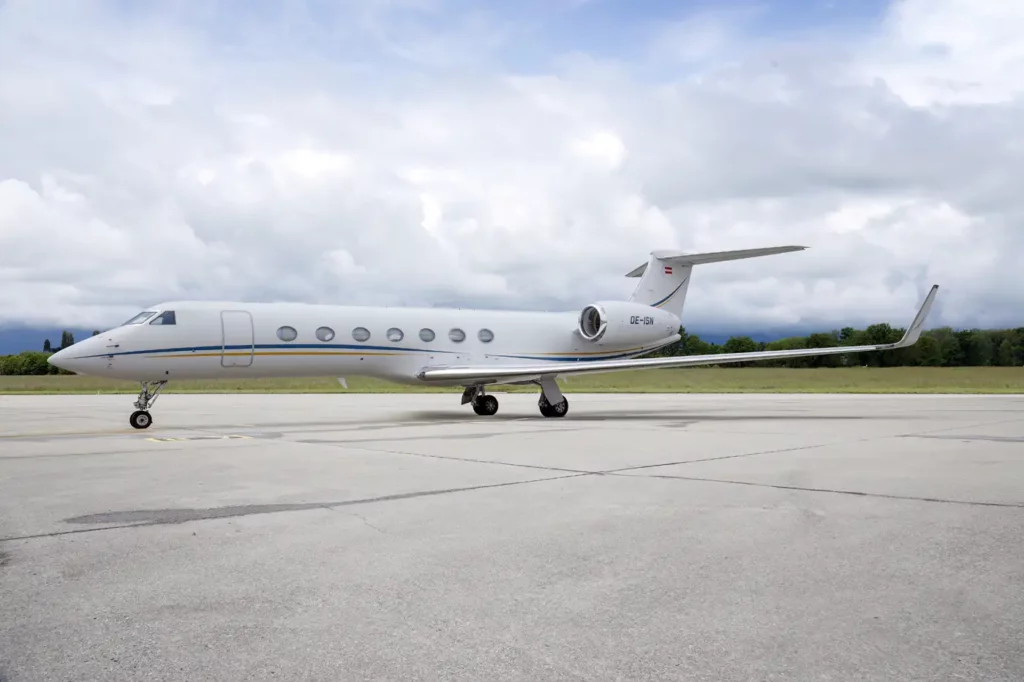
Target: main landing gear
(483, 404)
(141, 419)
(549, 409)
(551, 403)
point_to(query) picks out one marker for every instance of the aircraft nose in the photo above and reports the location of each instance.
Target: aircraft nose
(61, 359)
(79, 358)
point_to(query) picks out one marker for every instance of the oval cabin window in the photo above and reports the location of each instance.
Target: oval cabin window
(361, 334)
(485, 335)
(427, 335)
(457, 335)
(325, 334)
(287, 333)
(395, 334)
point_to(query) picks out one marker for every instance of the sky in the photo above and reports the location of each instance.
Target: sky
(520, 155)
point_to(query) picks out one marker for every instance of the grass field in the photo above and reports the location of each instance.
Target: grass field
(691, 380)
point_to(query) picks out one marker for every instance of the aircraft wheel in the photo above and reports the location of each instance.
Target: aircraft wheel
(140, 419)
(485, 405)
(558, 409)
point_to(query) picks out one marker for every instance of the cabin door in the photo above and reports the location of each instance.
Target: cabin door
(237, 338)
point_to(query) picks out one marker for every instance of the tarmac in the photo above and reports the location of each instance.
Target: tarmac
(402, 537)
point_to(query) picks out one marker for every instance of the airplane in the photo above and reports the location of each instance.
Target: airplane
(468, 348)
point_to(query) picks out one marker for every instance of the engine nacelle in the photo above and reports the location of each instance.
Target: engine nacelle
(621, 323)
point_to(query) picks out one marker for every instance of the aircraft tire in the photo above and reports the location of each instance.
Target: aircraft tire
(485, 405)
(559, 409)
(140, 419)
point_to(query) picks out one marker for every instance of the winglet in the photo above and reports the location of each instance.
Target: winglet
(914, 330)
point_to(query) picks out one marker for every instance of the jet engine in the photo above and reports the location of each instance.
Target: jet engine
(618, 323)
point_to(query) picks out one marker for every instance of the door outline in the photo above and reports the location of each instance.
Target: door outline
(236, 329)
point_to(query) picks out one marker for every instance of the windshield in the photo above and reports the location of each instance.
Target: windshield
(166, 317)
(140, 318)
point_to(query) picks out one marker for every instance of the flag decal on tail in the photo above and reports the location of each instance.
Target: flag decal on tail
(668, 269)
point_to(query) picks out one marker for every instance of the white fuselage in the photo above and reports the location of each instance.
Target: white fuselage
(208, 340)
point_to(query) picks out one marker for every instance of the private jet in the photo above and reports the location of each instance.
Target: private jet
(471, 349)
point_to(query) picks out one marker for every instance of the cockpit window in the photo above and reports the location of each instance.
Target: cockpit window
(140, 318)
(166, 317)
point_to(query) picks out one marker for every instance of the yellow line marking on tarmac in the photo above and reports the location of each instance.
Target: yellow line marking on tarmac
(167, 439)
(65, 434)
(123, 432)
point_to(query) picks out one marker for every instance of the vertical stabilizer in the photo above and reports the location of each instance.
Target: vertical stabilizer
(665, 277)
(662, 285)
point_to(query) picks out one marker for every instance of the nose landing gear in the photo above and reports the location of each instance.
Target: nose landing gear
(141, 419)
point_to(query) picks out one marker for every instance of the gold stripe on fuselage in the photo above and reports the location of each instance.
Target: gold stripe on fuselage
(367, 353)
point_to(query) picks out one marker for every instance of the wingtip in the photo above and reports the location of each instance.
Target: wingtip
(917, 325)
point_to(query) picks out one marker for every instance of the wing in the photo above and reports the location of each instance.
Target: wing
(477, 374)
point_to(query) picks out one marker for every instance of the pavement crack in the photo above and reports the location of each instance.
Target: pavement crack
(157, 517)
(837, 491)
(518, 465)
(76, 531)
(741, 455)
(958, 426)
(806, 447)
(361, 518)
(345, 445)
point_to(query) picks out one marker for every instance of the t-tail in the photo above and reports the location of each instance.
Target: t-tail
(665, 277)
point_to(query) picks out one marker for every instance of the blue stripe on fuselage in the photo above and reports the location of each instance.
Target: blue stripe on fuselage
(262, 346)
(568, 357)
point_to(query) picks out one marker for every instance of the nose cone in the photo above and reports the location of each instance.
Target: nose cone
(78, 358)
(63, 359)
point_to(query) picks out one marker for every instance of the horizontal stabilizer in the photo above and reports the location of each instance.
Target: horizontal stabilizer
(679, 258)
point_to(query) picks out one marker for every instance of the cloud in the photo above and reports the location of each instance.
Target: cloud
(420, 153)
(951, 51)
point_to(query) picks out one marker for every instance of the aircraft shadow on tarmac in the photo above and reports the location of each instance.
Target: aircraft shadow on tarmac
(649, 415)
(420, 417)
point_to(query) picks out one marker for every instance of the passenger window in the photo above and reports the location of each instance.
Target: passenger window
(166, 317)
(287, 333)
(457, 335)
(325, 334)
(395, 334)
(485, 335)
(427, 335)
(361, 334)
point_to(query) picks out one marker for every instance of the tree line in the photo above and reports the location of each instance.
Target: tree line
(942, 347)
(34, 362)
